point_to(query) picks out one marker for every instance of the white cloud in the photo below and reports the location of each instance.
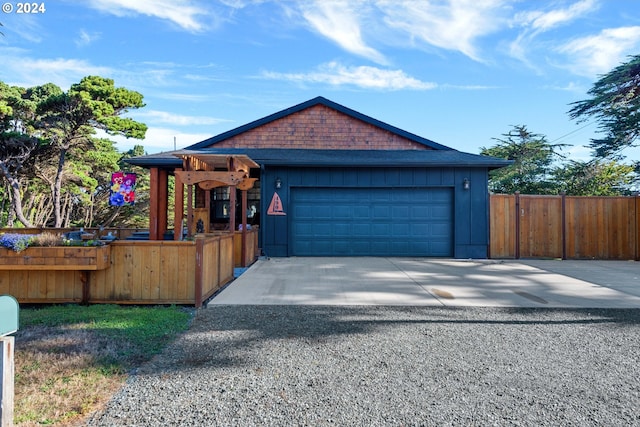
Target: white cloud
(534, 23)
(157, 139)
(177, 119)
(452, 25)
(27, 72)
(366, 77)
(593, 55)
(26, 26)
(85, 38)
(180, 12)
(340, 22)
(543, 21)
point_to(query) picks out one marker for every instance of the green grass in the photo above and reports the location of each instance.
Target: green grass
(71, 358)
(143, 331)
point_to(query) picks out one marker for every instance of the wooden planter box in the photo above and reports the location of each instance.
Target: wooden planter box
(56, 258)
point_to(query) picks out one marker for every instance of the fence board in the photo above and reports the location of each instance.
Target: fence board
(502, 226)
(603, 227)
(147, 272)
(540, 226)
(42, 286)
(250, 250)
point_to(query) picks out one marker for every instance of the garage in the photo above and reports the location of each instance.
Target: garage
(392, 221)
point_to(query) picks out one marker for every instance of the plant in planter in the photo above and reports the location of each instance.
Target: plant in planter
(49, 251)
(16, 242)
(47, 239)
(83, 243)
(19, 242)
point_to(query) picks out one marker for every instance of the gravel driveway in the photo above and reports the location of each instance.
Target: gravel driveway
(396, 366)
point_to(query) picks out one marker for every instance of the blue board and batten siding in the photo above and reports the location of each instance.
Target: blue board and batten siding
(382, 211)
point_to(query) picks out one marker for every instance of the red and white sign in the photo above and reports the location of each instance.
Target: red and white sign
(275, 207)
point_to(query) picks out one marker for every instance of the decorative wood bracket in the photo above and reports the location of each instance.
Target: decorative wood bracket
(212, 179)
(246, 183)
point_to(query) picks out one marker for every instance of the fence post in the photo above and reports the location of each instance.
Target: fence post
(199, 271)
(564, 224)
(517, 233)
(7, 372)
(488, 229)
(637, 223)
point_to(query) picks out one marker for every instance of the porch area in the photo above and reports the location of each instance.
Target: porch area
(140, 266)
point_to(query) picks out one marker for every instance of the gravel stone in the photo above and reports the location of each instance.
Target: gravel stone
(390, 366)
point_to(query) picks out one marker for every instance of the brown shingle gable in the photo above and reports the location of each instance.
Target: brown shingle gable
(320, 127)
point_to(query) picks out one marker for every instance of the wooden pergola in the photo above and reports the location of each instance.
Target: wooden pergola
(207, 171)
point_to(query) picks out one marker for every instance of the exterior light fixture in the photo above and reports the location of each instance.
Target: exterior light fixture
(278, 183)
(466, 184)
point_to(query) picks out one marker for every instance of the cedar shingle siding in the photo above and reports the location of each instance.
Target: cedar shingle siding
(323, 128)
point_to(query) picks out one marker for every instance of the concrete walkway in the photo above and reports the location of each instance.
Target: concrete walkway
(436, 282)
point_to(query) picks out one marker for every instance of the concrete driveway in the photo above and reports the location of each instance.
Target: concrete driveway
(436, 282)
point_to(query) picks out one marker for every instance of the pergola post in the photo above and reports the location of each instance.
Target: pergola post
(232, 198)
(243, 258)
(158, 203)
(163, 202)
(189, 209)
(154, 201)
(232, 208)
(178, 214)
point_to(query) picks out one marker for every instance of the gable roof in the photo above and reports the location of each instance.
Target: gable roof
(207, 143)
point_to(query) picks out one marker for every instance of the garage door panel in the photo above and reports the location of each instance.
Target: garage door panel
(341, 212)
(378, 230)
(440, 196)
(372, 221)
(361, 213)
(440, 212)
(440, 249)
(361, 230)
(440, 230)
(323, 230)
(303, 232)
(341, 230)
(400, 213)
(420, 213)
(378, 212)
(402, 230)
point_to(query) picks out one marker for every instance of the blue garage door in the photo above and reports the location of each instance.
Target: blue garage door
(372, 221)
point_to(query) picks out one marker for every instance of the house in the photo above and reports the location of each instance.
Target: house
(320, 179)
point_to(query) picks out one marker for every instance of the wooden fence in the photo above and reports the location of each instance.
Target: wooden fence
(137, 272)
(567, 227)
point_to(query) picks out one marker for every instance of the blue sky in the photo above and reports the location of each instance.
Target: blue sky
(459, 72)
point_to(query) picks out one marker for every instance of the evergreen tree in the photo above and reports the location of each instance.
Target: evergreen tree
(533, 158)
(615, 104)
